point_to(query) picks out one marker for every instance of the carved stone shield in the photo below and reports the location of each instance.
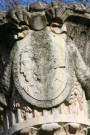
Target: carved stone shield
(42, 72)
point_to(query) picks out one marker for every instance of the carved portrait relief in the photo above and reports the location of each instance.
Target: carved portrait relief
(43, 68)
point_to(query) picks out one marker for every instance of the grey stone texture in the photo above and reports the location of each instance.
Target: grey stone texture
(45, 69)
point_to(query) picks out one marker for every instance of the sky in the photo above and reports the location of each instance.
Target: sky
(3, 2)
(77, 1)
(67, 1)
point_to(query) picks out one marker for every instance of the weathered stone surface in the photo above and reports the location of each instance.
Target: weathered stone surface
(88, 9)
(38, 6)
(80, 8)
(38, 20)
(45, 69)
(59, 4)
(2, 17)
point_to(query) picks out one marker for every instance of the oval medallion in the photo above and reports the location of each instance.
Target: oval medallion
(41, 68)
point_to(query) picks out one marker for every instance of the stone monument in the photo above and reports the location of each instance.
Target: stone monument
(45, 69)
